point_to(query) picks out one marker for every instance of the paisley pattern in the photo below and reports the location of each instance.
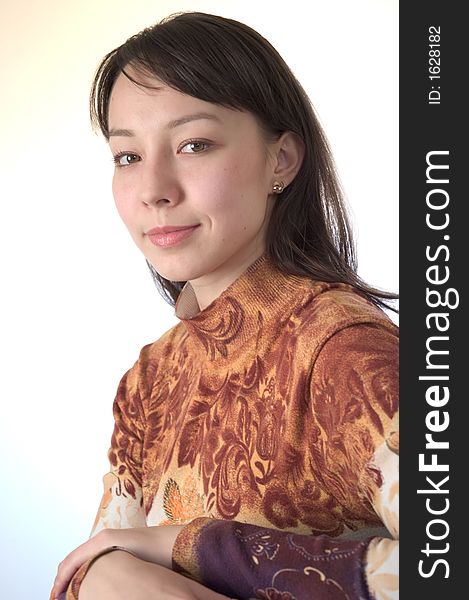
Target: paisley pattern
(267, 407)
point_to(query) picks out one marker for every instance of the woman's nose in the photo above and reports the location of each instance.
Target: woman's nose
(158, 184)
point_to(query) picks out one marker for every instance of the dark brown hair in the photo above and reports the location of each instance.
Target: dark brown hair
(225, 62)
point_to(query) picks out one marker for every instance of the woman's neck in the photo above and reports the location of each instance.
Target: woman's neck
(210, 286)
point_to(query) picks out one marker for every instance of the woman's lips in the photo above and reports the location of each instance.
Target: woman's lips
(170, 238)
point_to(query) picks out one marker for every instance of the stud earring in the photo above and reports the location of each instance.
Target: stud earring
(278, 187)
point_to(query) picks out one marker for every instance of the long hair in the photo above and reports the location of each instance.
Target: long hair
(225, 62)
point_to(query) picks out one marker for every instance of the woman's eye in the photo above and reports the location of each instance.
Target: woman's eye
(125, 159)
(194, 147)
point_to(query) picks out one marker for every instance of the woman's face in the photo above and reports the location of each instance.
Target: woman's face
(181, 161)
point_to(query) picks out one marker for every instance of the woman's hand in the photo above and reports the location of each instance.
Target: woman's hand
(120, 576)
(152, 544)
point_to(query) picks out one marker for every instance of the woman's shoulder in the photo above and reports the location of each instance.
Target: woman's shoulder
(163, 347)
(330, 307)
(340, 318)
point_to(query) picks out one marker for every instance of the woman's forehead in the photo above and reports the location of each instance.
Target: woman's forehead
(150, 95)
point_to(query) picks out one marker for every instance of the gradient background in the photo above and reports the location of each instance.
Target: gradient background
(77, 301)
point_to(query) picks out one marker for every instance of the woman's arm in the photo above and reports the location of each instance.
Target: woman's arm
(354, 406)
(151, 544)
(246, 561)
(121, 576)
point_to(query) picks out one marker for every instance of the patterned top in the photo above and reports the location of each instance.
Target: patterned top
(274, 408)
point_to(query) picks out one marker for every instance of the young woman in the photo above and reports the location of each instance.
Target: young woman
(255, 448)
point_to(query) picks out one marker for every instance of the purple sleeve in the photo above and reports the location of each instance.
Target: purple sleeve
(246, 561)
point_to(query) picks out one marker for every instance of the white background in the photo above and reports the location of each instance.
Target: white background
(77, 301)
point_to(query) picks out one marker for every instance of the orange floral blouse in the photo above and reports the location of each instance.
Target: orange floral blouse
(273, 414)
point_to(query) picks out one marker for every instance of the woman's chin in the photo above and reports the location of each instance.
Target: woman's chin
(176, 272)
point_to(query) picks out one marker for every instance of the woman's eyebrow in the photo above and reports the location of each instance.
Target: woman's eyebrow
(193, 117)
(170, 125)
(121, 133)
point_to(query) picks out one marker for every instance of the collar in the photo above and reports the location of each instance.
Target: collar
(257, 296)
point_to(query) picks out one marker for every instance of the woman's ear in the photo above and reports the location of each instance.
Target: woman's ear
(289, 152)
